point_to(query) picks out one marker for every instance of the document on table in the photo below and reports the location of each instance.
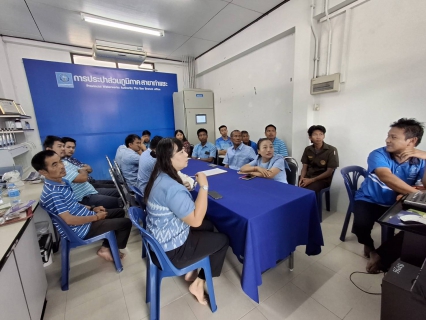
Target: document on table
(213, 172)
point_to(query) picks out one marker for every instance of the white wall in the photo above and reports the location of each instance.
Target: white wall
(259, 81)
(386, 75)
(14, 83)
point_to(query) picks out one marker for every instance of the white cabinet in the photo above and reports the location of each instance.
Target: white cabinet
(11, 155)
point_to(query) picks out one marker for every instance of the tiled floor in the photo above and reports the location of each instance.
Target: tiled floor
(318, 288)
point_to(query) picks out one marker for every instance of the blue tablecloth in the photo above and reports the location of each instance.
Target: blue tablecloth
(265, 220)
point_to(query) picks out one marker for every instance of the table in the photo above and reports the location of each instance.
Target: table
(265, 220)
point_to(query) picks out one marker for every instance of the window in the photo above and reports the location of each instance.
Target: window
(89, 61)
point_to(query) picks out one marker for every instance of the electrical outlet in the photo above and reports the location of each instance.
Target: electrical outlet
(316, 107)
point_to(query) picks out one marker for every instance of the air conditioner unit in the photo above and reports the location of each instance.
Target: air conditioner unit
(325, 84)
(117, 52)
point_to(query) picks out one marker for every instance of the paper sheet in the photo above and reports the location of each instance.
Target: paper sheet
(213, 172)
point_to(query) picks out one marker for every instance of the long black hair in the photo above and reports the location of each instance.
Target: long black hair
(180, 131)
(164, 153)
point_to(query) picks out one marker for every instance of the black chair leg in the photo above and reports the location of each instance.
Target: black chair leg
(387, 233)
(327, 200)
(345, 225)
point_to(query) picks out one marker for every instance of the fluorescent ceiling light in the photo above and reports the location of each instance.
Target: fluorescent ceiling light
(121, 25)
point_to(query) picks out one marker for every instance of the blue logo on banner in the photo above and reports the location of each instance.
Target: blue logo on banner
(199, 95)
(64, 79)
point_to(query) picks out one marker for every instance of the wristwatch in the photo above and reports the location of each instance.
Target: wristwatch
(205, 188)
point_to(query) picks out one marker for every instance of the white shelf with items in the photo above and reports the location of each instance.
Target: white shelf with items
(13, 140)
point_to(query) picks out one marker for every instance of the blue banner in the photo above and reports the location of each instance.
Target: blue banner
(99, 107)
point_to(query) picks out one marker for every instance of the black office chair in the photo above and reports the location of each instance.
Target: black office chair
(119, 187)
(292, 174)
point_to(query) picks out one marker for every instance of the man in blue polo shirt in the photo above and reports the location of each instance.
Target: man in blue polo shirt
(129, 159)
(392, 170)
(279, 146)
(204, 151)
(239, 154)
(57, 198)
(223, 142)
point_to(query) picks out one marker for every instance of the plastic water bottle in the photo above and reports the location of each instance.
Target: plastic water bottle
(14, 194)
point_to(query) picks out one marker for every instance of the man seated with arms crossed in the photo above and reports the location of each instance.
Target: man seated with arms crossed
(319, 162)
(146, 164)
(223, 142)
(392, 170)
(279, 146)
(87, 222)
(129, 160)
(70, 145)
(204, 151)
(239, 154)
(84, 192)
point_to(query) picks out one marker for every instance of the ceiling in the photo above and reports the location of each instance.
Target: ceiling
(191, 26)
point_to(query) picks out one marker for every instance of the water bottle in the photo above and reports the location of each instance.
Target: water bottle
(14, 194)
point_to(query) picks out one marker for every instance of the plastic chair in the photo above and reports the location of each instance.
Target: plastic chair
(73, 241)
(327, 198)
(155, 274)
(351, 185)
(293, 172)
(139, 197)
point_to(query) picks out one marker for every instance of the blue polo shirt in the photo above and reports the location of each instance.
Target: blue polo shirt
(129, 166)
(146, 166)
(253, 145)
(375, 191)
(119, 154)
(204, 152)
(168, 202)
(274, 162)
(280, 148)
(222, 144)
(80, 189)
(57, 198)
(237, 157)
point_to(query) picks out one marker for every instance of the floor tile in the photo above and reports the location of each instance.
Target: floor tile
(111, 305)
(231, 302)
(290, 302)
(255, 314)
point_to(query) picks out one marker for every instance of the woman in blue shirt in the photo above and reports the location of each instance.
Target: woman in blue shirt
(266, 165)
(177, 222)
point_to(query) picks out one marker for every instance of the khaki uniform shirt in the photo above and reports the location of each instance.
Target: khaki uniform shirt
(319, 161)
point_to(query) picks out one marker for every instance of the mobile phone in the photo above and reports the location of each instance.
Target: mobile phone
(247, 177)
(212, 165)
(215, 195)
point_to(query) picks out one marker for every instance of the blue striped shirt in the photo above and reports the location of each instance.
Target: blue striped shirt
(280, 148)
(57, 198)
(222, 144)
(168, 203)
(80, 189)
(204, 152)
(237, 157)
(146, 166)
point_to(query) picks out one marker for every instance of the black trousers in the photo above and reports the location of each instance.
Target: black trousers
(114, 221)
(106, 197)
(201, 242)
(365, 215)
(102, 183)
(390, 250)
(317, 186)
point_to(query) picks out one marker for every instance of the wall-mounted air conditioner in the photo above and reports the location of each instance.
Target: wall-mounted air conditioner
(324, 84)
(117, 52)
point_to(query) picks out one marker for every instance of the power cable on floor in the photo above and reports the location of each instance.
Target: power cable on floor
(373, 293)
